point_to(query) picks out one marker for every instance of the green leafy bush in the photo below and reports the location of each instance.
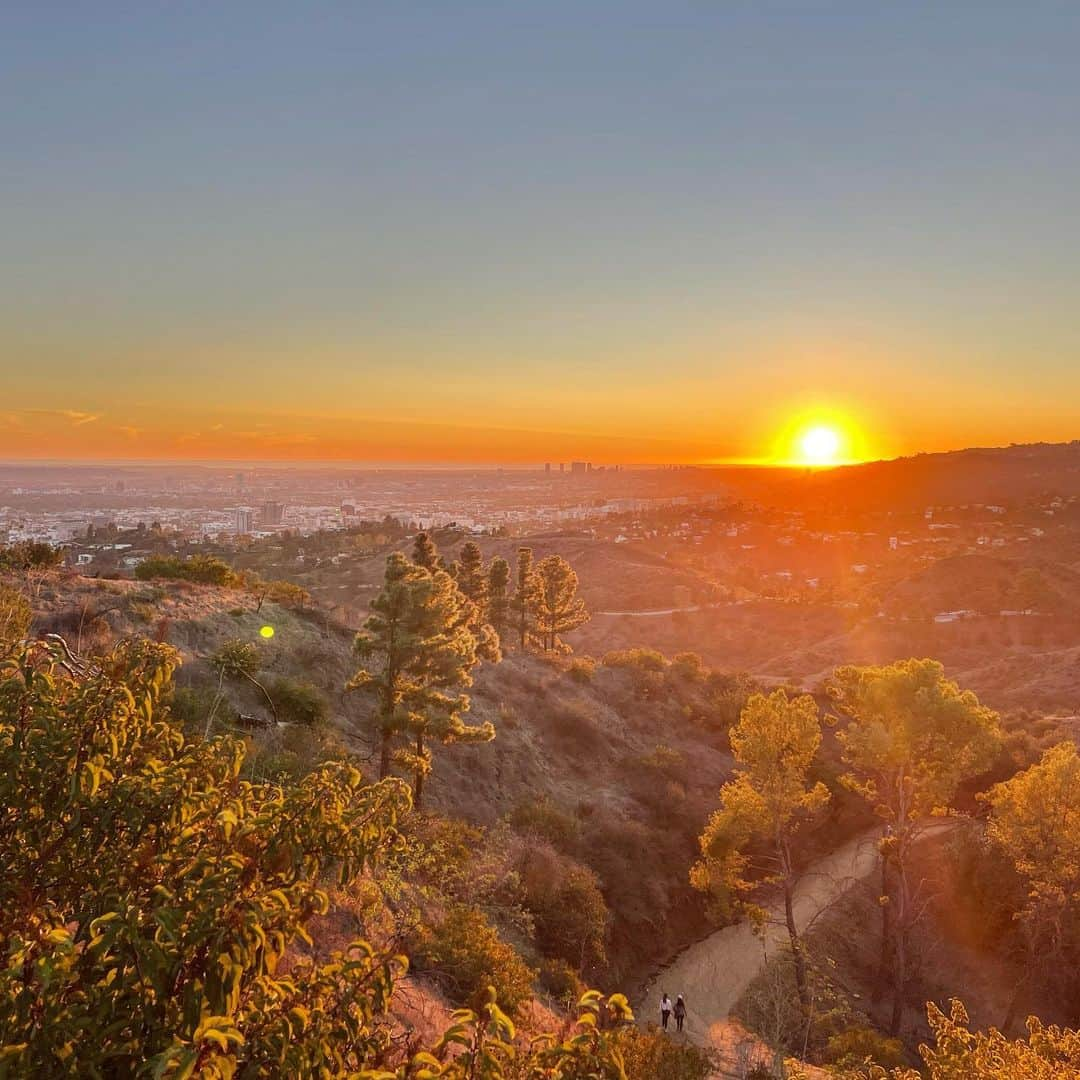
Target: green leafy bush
(467, 950)
(15, 618)
(299, 702)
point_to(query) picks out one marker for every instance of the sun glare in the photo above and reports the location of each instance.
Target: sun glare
(819, 445)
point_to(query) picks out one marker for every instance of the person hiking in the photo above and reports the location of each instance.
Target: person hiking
(665, 1009)
(680, 1012)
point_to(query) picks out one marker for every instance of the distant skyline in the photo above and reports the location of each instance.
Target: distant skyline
(490, 233)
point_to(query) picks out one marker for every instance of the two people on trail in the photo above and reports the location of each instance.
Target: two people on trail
(666, 1010)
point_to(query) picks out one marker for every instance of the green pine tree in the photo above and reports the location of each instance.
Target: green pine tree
(523, 602)
(498, 596)
(425, 553)
(559, 609)
(470, 576)
(417, 652)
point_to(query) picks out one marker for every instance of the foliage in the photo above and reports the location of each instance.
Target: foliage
(237, 659)
(15, 618)
(150, 895)
(498, 598)
(203, 569)
(1048, 1053)
(653, 1055)
(913, 737)
(468, 951)
(469, 573)
(863, 1046)
(298, 702)
(417, 653)
(1035, 823)
(541, 817)
(559, 609)
(425, 554)
(641, 659)
(581, 669)
(774, 743)
(29, 555)
(560, 980)
(287, 594)
(523, 601)
(481, 1045)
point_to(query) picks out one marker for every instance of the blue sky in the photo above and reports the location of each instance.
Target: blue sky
(598, 220)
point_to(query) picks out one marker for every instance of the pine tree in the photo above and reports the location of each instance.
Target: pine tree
(774, 743)
(523, 602)
(425, 553)
(559, 609)
(498, 597)
(470, 576)
(417, 653)
(914, 736)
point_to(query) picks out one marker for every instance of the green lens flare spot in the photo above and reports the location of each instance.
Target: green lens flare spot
(267, 631)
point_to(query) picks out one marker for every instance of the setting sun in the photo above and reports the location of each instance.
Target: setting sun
(819, 445)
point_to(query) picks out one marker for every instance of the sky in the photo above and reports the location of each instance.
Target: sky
(510, 233)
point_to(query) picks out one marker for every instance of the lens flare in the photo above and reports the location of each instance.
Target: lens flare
(267, 631)
(820, 445)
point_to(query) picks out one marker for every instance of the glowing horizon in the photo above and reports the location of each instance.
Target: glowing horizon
(395, 236)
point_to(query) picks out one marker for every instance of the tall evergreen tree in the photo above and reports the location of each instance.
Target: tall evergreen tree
(425, 553)
(559, 609)
(523, 602)
(417, 652)
(470, 575)
(498, 596)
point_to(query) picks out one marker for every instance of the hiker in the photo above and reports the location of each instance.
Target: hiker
(680, 1012)
(665, 1009)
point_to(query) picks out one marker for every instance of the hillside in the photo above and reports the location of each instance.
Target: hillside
(615, 767)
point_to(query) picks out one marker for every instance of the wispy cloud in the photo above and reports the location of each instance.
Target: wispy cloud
(76, 416)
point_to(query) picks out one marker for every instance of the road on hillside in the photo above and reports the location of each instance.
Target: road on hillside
(713, 974)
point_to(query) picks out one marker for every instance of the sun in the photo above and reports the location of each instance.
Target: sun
(819, 445)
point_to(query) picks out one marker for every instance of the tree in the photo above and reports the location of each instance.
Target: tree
(239, 660)
(1048, 1053)
(913, 737)
(155, 907)
(470, 576)
(498, 600)
(559, 609)
(149, 894)
(417, 653)
(774, 742)
(425, 553)
(1035, 823)
(16, 616)
(523, 602)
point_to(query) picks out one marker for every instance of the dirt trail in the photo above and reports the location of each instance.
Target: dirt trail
(713, 974)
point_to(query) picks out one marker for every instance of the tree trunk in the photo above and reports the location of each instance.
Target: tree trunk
(799, 958)
(899, 980)
(418, 773)
(886, 933)
(384, 755)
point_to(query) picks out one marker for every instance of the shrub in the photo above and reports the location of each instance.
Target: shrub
(29, 555)
(204, 569)
(561, 981)
(542, 818)
(190, 706)
(640, 658)
(15, 618)
(653, 1055)
(467, 949)
(582, 669)
(299, 702)
(860, 1046)
(689, 666)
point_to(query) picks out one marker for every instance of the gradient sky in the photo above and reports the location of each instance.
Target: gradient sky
(519, 232)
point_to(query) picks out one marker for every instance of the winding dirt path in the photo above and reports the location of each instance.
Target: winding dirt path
(713, 974)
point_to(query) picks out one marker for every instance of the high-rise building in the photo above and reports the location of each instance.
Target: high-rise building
(577, 467)
(245, 519)
(547, 467)
(271, 514)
